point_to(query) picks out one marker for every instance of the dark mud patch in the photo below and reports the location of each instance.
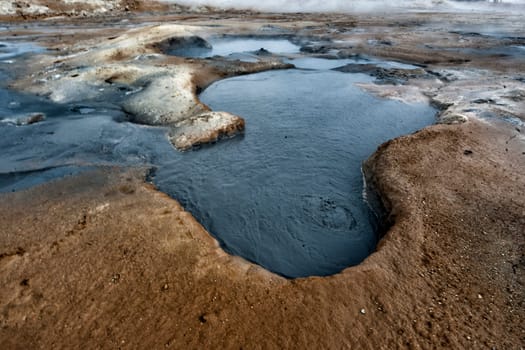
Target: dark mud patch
(383, 75)
(185, 46)
(17, 181)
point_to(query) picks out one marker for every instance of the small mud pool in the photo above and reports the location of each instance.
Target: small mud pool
(289, 194)
(236, 48)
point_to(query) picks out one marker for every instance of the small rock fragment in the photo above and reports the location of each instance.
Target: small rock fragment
(26, 119)
(115, 278)
(453, 118)
(204, 128)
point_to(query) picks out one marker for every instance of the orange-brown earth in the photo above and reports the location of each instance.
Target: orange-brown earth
(22, 10)
(103, 260)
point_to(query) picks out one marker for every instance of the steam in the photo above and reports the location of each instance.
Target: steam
(342, 5)
(300, 5)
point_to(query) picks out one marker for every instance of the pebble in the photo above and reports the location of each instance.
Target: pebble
(115, 278)
(363, 311)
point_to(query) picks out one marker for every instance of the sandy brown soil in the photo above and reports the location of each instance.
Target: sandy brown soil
(17, 10)
(103, 261)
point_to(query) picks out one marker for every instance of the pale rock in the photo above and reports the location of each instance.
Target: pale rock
(453, 118)
(25, 119)
(205, 128)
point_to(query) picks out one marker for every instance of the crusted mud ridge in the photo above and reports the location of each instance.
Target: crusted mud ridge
(153, 88)
(103, 260)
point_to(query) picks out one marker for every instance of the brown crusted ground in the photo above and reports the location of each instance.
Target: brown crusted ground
(81, 9)
(103, 261)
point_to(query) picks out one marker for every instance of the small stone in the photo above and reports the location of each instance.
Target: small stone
(115, 278)
(30, 118)
(363, 311)
(453, 118)
(205, 128)
(480, 296)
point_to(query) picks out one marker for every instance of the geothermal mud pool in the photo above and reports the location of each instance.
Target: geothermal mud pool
(103, 259)
(288, 194)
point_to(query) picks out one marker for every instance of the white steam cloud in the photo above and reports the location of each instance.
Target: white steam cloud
(339, 5)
